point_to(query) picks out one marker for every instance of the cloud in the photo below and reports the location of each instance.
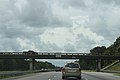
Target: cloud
(78, 38)
(33, 13)
(69, 48)
(58, 25)
(7, 44)
(37, 13)
(115, 2)
(74, 4)
(36, 44)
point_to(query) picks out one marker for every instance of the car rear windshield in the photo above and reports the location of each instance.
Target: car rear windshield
(72, 65)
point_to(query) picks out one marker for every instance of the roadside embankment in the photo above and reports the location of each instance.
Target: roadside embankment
(113, 68)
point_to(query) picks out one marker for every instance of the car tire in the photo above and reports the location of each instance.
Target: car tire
(63, 77)
(79, 77)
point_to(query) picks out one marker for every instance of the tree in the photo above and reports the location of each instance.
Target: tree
(44, 65)
(13, 64)
(98, 50)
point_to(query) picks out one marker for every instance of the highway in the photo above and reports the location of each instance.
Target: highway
(58, 75)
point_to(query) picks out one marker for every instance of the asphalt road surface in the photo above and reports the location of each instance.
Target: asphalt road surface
(58, 76)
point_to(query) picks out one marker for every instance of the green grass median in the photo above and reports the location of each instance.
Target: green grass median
(88, 70)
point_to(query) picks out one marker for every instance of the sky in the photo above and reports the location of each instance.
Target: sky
(58, 25)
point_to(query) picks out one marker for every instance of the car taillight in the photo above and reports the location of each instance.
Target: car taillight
(78, 70)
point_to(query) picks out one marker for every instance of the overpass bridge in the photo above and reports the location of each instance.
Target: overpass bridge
(56, 55)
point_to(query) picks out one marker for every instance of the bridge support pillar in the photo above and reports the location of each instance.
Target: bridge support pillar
(32, 61)
(99, 65)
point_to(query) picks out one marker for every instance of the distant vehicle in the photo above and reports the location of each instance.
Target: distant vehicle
(30, 52)
(58, 69)
(71, 69)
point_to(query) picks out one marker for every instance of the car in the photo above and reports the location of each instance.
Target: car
(71, 69)
(58, 69)
(30, 52)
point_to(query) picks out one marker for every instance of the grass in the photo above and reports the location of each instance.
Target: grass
(2, 77)
(115, 67)
(14, 75)
(117, 74)
(88, 70)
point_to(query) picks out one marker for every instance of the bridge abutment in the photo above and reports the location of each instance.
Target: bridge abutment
(32, 66)
(99, 65)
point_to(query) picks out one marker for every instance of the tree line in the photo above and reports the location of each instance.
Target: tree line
(113, 49)
(22, 64)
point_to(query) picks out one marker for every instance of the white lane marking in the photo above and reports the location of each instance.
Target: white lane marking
(53, 77)
(85, 78)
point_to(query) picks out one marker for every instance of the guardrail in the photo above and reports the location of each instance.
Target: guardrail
(42, 53)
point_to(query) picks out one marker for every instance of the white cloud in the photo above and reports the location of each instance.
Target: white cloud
(20, 4)
(26, 44)
(59, 36)
(70, 39)
(58, 25)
